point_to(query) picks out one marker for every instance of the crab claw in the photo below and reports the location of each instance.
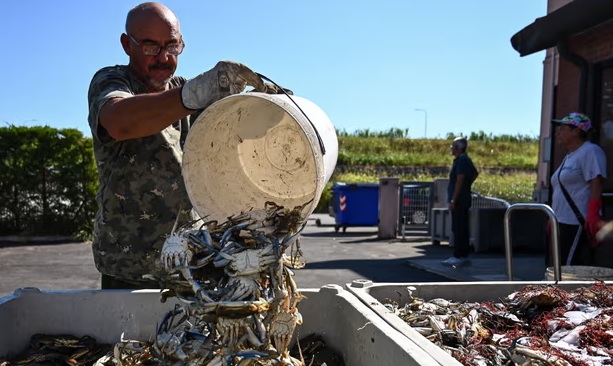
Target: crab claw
(176, 252)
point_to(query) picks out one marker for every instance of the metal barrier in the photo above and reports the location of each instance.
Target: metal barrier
(481, 201)
(554, 230)
(440, 227)
(415, 206)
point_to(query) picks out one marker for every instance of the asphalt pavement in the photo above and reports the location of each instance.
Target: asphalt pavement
(331, 258)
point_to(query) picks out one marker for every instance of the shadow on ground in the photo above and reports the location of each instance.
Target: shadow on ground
(22, 242)
(332, 234)
(379, 270)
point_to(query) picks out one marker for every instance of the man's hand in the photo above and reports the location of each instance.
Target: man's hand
(226, 78)
(273, 89)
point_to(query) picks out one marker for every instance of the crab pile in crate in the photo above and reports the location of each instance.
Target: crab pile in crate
(539, 325)
(238, 300)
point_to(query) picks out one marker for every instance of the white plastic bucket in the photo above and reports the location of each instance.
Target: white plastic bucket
(252, 148)
(580, 273)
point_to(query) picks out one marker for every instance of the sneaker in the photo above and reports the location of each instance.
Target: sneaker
(455, 262)
(464, 261)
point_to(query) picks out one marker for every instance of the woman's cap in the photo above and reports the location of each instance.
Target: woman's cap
(576, 119)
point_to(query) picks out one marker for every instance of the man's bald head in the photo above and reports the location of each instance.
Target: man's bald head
(146, 12)
(152, 25)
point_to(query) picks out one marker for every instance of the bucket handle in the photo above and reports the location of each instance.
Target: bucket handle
(321, 143)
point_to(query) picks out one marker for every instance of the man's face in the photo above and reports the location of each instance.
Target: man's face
(154, 70)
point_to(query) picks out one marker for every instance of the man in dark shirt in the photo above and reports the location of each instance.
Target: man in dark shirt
(461, 177)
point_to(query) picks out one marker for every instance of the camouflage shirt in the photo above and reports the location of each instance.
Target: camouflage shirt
(141, 187)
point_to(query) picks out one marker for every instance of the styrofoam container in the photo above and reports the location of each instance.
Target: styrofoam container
(348, 326)
(580, 273)
(251, 148)
(371, 294)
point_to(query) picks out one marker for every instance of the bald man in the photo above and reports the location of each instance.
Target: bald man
(139, 115)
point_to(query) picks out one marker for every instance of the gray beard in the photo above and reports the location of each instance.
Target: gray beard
(159, 85)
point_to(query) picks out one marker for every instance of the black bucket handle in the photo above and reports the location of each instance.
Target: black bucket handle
(321, 143)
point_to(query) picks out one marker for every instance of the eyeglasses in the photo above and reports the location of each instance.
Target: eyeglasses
(154, 49)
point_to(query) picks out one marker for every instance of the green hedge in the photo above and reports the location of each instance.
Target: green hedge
(48, 176)
(48, 182)
(514, 187)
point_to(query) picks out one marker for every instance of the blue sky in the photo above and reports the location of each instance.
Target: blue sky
(367, 64)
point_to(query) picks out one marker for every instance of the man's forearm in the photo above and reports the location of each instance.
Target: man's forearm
(142, 115)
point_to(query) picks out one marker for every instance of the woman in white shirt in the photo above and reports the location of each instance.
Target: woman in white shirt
(581, 175)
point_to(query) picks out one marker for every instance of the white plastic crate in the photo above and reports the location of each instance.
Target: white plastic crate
(348, 326)
(371, 294)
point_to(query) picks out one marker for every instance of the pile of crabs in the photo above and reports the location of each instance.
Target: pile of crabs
(538, 325)
(237, 298)
(236, 301)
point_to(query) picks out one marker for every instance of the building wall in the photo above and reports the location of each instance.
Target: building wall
(561, 83)
(595, 46)
(550, 64)
(561, 94)
(550, 81)
(556, 4)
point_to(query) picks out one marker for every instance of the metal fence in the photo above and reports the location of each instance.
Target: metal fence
(415, 206)
(481, 201)
(416, 209)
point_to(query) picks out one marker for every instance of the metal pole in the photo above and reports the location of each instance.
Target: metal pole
(425, 121)
(554, 230)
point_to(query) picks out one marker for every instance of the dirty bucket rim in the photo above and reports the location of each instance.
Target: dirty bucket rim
(228, 111)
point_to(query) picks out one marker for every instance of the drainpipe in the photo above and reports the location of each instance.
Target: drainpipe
(583, 66)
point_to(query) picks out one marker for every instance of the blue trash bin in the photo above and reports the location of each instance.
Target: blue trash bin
(355, 204)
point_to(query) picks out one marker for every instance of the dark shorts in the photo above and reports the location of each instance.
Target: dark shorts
(574, 248)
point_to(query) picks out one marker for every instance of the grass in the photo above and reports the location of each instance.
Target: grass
(430, 152)
(507, 164)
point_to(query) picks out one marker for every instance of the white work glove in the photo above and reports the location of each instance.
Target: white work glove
(226, 78)
(273, 89)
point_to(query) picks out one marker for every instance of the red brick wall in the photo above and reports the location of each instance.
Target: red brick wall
(594, 45)
(567, 94)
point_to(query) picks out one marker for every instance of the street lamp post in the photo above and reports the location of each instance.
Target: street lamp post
(425, 121)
